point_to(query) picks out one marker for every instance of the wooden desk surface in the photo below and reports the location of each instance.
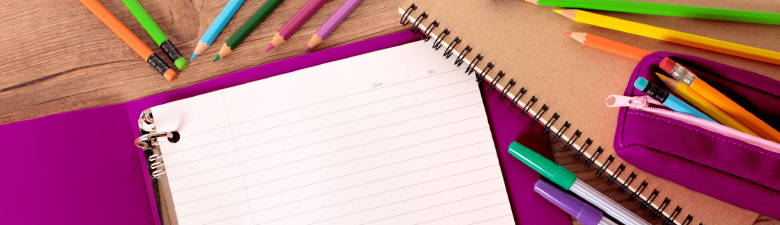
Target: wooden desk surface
(60, 57)
(65, 59)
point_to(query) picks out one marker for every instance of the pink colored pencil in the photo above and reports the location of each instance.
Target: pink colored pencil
(332, 22)
(295, 22)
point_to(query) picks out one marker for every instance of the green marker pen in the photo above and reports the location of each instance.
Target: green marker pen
(567, 180)
(157, 34)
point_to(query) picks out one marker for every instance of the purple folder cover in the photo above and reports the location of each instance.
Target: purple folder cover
(81, 167)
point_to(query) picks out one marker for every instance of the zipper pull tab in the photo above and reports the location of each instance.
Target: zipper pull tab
(625, 101)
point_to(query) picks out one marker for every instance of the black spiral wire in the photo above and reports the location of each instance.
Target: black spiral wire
(521, 92)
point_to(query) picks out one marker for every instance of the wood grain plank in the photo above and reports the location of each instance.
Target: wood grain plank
(69, 60)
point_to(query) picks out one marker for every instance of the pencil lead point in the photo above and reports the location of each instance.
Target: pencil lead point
(193, 57)
(567, 33)
(307, 49)
(270, 46)
(217, 58)
(559, 11)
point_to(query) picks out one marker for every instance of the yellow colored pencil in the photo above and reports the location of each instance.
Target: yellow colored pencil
(671, 35)
(680, 89)
(723, 102)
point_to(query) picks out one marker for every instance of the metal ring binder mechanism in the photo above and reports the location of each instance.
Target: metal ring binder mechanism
(154, 159)
(558, 132)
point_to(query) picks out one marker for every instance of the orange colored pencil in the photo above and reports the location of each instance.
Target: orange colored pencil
(609, 45)
(133, 41)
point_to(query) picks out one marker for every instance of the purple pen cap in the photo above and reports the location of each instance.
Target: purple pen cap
(585, 214)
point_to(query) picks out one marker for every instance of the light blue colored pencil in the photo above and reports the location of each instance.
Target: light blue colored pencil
(216, 27)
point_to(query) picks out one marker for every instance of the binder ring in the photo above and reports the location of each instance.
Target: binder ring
(146, 121)
(427, 33)
(150, 140)
(416, 25)
(437, 42)
(448, 50)
(459, 59)
(407, 13)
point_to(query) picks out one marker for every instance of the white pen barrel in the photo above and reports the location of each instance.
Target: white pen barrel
(604, 203)
(606, 221)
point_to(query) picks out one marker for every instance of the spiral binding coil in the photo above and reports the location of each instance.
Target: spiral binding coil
(635, 194)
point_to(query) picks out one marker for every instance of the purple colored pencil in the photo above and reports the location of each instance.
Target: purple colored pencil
(332, 22)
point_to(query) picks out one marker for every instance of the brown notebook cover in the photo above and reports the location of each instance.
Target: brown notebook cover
(526, 42)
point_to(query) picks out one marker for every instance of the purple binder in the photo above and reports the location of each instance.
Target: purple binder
(81, 167)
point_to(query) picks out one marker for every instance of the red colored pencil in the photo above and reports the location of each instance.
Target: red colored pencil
(295, 22)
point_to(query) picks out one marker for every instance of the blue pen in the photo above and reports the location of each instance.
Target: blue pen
(667, 99)
(216, 27)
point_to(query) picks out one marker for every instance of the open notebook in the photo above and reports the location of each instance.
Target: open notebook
(397, 136)
(520, 49)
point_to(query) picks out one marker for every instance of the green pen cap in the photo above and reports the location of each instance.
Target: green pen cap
(556, 173)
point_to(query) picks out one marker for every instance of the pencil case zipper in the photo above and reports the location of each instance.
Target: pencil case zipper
(650, 105)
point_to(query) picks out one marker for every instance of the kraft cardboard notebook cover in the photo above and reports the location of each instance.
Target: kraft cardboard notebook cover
(526, 42)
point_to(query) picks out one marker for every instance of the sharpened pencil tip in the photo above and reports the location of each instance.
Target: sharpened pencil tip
(193, 57)
(567, 33)
(270, 46)
(216, 58)
(559, 11)
(307, 49)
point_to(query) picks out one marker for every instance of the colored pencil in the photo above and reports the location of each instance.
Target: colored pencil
(211, 33)
(668, 100)
(680, 89)
(295, 22)
(247, 28)
(609, 45)
(718, 99)
(128, 37)
(157, 34)
(663, 9)
(672, 36)
(332, 22)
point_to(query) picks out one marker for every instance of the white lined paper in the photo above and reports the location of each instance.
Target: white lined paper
(397, 136)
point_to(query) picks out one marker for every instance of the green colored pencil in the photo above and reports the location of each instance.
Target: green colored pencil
(248, 27)
(662, 9)
(157, 34)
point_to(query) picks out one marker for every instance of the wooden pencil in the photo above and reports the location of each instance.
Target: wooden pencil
(609, 45)
(680, 89)
(295, 22)
(332, 22)
(689, 78)
(671, 35)
(157, 34)
(133, 41)
(216, 27)
(662, 9)
(258, 17)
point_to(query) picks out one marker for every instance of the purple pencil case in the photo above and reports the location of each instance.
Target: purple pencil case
(706, 157)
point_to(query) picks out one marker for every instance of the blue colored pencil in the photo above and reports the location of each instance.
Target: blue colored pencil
(216, 27)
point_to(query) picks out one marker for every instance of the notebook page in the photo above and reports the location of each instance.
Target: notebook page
(397, 136)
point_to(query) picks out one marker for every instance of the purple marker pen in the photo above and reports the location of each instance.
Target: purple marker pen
(585, 214)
